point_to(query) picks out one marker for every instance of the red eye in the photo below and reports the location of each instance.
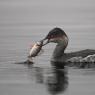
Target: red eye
(52, 36)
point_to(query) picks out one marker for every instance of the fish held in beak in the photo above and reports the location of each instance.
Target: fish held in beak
(36, 49)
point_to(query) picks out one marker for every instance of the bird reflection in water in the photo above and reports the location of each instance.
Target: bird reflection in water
(54, 78)
(58, 81)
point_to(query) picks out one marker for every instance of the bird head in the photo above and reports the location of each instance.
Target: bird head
(56, 35)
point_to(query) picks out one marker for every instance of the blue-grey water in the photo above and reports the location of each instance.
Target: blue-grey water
(22, 23)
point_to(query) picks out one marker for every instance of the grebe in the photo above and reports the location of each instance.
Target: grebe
(58, 36)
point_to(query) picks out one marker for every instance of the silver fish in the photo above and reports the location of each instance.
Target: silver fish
(35, 49)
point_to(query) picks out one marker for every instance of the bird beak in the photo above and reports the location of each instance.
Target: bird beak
(45, 41)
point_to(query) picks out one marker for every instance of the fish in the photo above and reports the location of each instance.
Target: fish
(36, 48)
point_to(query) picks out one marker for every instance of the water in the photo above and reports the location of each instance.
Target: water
(18, 79)
(22, 23)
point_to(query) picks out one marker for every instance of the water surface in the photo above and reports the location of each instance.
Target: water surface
(22, 23)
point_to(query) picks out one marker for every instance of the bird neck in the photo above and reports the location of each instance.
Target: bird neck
(58, 52)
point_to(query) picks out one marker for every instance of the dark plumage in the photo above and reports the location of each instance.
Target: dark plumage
(56, 32)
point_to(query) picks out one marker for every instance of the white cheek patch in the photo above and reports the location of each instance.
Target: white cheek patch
(61, 40)
(53, 40)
